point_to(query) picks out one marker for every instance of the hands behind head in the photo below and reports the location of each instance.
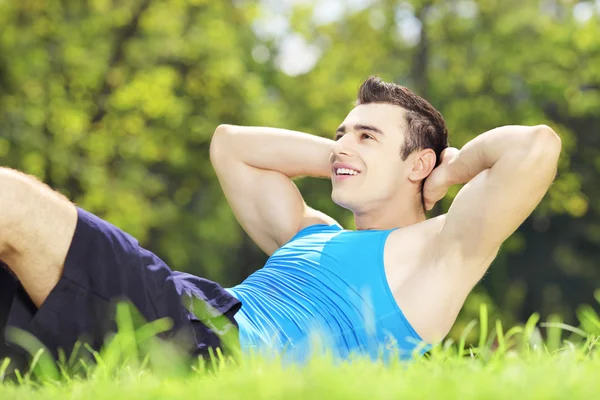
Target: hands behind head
(438, 182)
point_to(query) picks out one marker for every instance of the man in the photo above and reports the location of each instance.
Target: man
(399, 280)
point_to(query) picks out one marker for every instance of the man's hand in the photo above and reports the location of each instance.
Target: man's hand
(439, 181)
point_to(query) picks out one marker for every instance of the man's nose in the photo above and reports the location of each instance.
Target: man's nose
(343, 146)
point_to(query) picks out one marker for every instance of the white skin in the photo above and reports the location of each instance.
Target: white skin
(431, 264)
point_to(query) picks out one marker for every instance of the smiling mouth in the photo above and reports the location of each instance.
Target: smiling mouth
(345, 172)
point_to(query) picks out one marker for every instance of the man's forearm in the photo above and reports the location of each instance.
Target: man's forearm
(289, 152)
(486, 149)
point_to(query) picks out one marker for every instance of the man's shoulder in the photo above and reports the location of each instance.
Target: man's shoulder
(417, 235)
(413, 245)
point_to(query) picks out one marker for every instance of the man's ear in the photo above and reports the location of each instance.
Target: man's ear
(423, 164)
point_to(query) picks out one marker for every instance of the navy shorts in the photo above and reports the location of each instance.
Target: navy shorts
(105, 265)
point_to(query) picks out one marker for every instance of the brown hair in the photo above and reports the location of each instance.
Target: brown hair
(426, 128)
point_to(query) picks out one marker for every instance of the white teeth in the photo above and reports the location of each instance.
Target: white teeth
(345, 171)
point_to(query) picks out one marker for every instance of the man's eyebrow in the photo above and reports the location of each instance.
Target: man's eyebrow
(371, 128)
(360, 127)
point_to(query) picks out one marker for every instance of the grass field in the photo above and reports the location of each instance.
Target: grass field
(539, 360)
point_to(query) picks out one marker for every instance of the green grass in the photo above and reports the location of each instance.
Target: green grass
(538, 360)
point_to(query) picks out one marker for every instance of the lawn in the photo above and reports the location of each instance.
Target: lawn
(535, 361)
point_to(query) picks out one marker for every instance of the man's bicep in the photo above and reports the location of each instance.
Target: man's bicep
(267, 204)
(489, 208)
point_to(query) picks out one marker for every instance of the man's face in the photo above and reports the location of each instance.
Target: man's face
(367, 169)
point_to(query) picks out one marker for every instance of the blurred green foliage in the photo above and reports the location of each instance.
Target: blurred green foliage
(113, 103)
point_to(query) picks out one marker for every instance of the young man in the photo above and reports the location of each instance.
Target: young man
(399, 280)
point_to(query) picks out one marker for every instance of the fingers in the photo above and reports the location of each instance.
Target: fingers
(432, 199)
(429, 204)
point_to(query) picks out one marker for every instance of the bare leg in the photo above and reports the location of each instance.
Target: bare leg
(36, 228)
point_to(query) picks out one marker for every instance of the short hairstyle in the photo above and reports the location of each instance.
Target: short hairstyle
(426, 128)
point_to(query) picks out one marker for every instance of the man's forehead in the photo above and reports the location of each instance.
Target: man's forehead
(377, 114)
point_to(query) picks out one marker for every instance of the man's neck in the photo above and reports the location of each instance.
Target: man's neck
(391, 216)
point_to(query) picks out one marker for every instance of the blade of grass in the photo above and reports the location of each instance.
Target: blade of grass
(152, 329)
(126, 333)
(44, 361)
(528, 331)
(483, 325)
(4, 368)
(500, 335)
(589, 320)
(565, 327)
(463, 337)
(553, 332)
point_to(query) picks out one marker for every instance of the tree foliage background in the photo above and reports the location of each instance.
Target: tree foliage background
(113, 103)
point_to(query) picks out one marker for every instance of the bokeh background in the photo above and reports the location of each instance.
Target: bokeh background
(113, 103)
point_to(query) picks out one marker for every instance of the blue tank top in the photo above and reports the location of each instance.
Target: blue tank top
(324, 291)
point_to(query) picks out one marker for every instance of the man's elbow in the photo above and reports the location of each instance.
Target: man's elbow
(547, 140)
(220, 142)
(544, 146)
(221, 133)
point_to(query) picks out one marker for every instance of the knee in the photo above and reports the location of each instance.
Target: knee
(13, 191)
(12, 205)
(36, 224)
(32, 215)
(19, 201)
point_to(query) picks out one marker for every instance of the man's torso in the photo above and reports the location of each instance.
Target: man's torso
(331, 281)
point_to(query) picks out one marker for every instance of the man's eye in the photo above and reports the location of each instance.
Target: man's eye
(366, 136)
(338, 137)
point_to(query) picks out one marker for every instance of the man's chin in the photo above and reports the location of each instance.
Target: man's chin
(341, 200)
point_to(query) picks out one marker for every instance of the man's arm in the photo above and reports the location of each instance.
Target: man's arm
(255, 167)
(508, 170)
